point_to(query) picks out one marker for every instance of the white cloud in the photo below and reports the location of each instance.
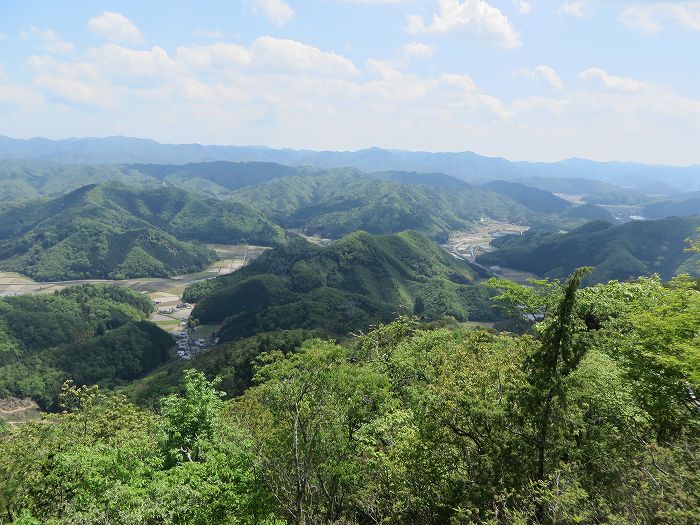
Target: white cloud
(577, 9)
(269, 54)
(544, 72)
(384, 69)
(115, 27)
(118, 61)
(3, 36)
(472, 18)
(49, 40)
(74, 81)
(208, 33)
(278, 11)
(524, 8)
(290, 94)
(418, 49)
(651, 18)
(291, 56)
(614, 82)
(217, 55)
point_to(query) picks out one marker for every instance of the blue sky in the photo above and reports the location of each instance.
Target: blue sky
(531, 80)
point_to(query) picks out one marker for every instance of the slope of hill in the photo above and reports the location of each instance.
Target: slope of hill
(335, 205)
(537, 200)
(617, 252)
(661, 210)
(588, 212)
(112, 231)
(22, 180)
(345, 286)
(91, 334)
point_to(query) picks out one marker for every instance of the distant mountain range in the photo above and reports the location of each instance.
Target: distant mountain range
(468, 166)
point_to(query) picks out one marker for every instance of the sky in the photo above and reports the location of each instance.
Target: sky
(526, 80)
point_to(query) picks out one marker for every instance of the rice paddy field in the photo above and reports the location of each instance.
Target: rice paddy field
(165, 293)
(231, 258)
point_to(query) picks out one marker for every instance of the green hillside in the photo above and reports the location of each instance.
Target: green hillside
(112, 231)
(336, 205)
(617, 252)
(341, 287)
(588, 212)
(675, 208)
(591, 419)
(22, 180)
(537, 200)
(90, 334)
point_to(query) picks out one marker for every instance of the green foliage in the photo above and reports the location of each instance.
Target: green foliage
(48, 338)
(111, 231)
(232, 363)
(341, 288)
(190, 422)
(533, 198)
(591, 419)
(103, 461)
(639, 248)
(333, 205)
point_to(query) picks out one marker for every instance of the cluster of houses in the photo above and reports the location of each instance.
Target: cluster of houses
(187, 348)
(171, 309)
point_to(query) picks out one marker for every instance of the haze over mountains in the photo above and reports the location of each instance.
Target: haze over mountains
(464, 165)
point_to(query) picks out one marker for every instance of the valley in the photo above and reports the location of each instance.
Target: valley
(477, 241)
(397, 306)
(166, 293)
(349, 262)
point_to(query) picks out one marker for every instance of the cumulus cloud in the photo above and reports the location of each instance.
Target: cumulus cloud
(651, 18)
(270, 54)
(278, 11)
(48, 40)
(613, 82)
(114, 60)
(287, 93)
(418, 49)
(577, 9)
(73, 81)
(115, 27)
(524, 8)
(543, 72)
(475, 19)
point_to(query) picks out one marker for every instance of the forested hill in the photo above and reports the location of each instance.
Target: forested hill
(112, 231)
(336, 205)
(592, 419)
(345, 286)
(617, 252)
(89, 334)
(537, 200)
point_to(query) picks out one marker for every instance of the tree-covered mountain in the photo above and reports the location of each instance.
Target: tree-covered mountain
(537, 200)
(89, 334)
(345, 286)
(672, 208)
(339, 204)
(591, 419)
(113, 231)
(620, 252)
(588, 212)
(22, 180)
